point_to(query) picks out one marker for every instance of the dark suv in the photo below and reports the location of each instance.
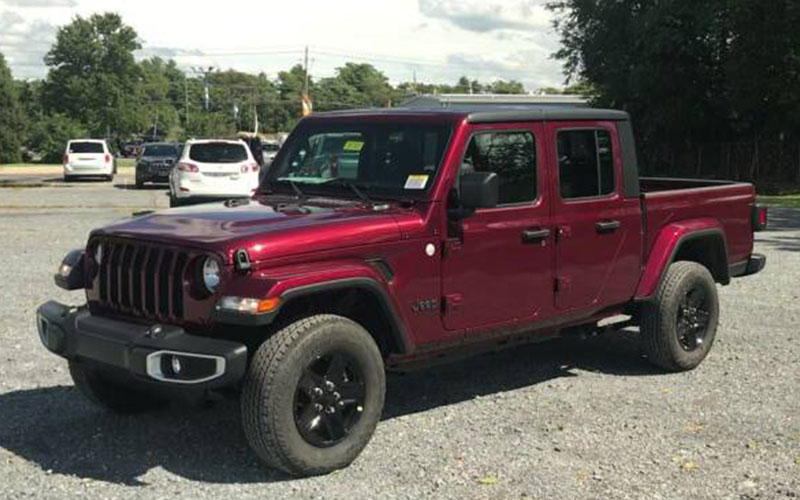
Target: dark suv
(156, 162)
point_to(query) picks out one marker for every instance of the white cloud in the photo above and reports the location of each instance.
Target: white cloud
(39, 3)
(439, 40)
(489, 15)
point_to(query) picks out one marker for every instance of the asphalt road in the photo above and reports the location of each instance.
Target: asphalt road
(565, 419)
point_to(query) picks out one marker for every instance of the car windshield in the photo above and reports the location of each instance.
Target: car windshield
(218, 152)
(270, 147)
(398, 160)
(86, 147)
(160, 150)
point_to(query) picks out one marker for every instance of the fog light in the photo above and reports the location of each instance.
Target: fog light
(176, 365)
(64, 270)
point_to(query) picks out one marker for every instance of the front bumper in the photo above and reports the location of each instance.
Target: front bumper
(145, 352)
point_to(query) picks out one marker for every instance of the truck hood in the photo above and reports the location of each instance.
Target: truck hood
(267, 229)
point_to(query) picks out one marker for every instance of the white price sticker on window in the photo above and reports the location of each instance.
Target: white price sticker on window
(416, 181)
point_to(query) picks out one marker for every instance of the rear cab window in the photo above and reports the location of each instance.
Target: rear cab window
(86, 147)
(218, 152)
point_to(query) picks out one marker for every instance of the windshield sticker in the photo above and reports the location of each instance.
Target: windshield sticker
(416, 181)
(354, 146)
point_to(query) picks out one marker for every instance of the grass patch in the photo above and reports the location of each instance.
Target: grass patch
(787, 201)
(121, 163)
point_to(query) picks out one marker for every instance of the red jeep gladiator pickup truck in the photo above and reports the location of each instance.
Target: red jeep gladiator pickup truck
(383, 238)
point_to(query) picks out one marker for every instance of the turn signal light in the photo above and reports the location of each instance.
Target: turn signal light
(248, 305)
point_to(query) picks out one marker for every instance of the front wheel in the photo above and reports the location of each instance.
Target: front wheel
(313, 395)
(103, 391)
(678, 327)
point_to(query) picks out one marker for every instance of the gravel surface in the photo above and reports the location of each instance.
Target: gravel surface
(565, 419)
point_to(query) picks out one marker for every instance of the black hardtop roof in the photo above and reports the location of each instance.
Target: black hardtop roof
(484, 114)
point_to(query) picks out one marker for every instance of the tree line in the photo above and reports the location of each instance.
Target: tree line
(713, 86)
(95, 87)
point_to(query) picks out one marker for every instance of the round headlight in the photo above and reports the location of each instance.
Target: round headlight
(211, 274)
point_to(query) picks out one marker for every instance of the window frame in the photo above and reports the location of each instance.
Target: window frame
(614, 151)
(537, 174)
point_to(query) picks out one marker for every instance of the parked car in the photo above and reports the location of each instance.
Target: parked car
(88, 158)
(458, 232)
(213, 169)
(156, 162)
(269, 149)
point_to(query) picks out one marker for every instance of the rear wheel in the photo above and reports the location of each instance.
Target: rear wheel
(678, 327)
(313, 395)
(99, 388)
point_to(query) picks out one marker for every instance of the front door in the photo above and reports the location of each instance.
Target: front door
(598, 229)
(498, 264)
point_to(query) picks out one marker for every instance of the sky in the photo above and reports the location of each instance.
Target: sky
(436, 40)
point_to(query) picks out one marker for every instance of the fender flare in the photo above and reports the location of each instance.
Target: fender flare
(666, 247)
(398, 332)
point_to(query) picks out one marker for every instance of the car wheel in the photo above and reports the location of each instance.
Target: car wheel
(109, 178)
(174, 201)
(139, 183)
(101, 390)
(69, 178)
(679, 325)
(313, 395)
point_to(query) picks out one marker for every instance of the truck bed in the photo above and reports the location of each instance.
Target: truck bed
(666, 201)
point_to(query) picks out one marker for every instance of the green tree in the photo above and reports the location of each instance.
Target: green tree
(93, 75)
(49, 136)
(11, 119)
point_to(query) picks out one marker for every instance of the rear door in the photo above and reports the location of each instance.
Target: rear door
(220, 162)
(498, 263)
(598, 230)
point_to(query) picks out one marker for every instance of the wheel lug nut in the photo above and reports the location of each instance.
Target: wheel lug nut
(337, 396)
(341, 403)
(330, 409)
(317, 407)
(316, 391)
(329, 385)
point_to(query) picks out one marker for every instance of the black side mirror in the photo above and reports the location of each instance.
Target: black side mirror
(479, 190)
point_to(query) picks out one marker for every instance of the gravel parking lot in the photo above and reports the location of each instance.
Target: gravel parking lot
(565, 419)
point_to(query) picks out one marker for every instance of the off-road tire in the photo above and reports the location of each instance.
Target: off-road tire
(659, 318)
(268, 397)
(98, 388)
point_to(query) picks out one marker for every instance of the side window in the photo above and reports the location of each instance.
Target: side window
(512, 156)
(585, 163)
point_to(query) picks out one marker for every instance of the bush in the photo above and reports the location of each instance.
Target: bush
(49, 136)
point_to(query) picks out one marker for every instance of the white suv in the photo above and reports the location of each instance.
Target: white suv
(88, 157)
(213, 169)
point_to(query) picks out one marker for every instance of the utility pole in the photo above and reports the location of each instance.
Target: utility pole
(205, 74)
(305, 66)
(186, 100)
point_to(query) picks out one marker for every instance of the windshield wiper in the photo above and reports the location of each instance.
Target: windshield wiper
(353, 187)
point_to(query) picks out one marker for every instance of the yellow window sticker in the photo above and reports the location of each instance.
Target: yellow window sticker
(416, 181)
(354, 146)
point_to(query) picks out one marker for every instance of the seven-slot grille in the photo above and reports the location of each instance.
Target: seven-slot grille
(142, 279)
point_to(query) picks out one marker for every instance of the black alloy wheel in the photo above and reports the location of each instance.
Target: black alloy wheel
(329, 399)
(693, 319)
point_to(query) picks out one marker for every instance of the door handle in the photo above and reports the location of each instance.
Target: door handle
(607, 226)
(535, 235)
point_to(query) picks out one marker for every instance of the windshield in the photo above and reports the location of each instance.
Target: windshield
(160, 150)
(270, 147)
(393, 159)
(86, 147)
(218, 152)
